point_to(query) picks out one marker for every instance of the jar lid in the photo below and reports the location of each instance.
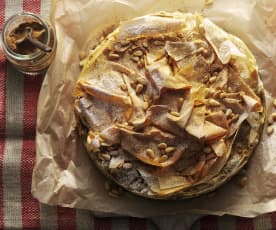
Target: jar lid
(14, 33)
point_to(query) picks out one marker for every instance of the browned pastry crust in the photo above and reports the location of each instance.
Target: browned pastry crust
(170, 105)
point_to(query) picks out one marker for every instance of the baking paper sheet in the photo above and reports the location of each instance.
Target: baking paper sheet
(63, 173)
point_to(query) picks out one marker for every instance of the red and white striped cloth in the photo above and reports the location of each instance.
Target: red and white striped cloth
(18, 209)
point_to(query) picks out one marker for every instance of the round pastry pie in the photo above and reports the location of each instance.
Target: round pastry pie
(170, 106)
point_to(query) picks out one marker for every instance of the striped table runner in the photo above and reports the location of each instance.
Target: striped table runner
(18, 209)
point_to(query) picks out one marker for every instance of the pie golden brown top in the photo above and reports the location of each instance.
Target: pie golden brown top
(170, 105)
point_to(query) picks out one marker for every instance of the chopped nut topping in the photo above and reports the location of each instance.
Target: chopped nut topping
(158, 43)
(198, 103)
(228, 112)
(163, 158)
(145, 105)
(145, 44)
(146, 97)
(105, 156)
(139, 88)
(205, 78)
(113, 56)
(135, 58)
(232, 100)
(120, 48)
(138, 53)
(269, 130)
(174, 113)
(179, 102)
(217, 93)
(125, 43)
(169, 149)
(127, 165)
(162, 145)
(131, 49)
(141, 80)
(272, 117)
(150, 153)
(210, 92)
(270, 120)
(123, 87)
(212, 79)
(230, 95)
(213, 102)
(234, 118)
(274, 103)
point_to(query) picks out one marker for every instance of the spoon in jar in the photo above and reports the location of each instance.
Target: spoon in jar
(28, 35)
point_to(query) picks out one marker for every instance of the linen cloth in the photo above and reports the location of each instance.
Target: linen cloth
(18, 209)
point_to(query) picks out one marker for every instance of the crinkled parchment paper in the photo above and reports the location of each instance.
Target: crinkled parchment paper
(64, 174)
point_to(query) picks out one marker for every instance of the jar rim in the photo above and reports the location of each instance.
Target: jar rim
(25, 57)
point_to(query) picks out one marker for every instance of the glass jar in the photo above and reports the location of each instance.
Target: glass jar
(33, 60)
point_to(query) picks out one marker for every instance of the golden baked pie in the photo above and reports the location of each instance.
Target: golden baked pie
(170, 105)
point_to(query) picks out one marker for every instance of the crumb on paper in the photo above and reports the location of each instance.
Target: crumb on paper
(243, 181)
(271, 119)
(208, 2)
(269, 130)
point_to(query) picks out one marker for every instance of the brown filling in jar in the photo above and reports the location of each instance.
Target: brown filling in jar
(28, 42)
(17, 39)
